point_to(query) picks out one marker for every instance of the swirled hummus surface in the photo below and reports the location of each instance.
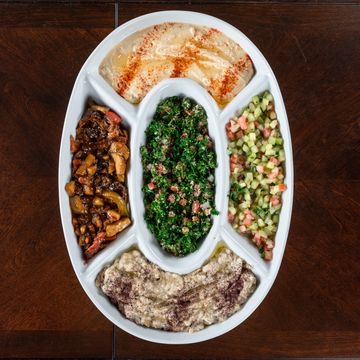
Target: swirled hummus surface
(158, 299)
(177, 50)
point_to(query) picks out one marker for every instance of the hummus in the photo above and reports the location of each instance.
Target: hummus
(176, 50)
(158, 299)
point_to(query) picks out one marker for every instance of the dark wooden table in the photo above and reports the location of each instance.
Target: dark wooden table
(313, 309)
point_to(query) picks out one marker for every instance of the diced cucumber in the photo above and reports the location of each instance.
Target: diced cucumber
(255, 99)
(254, 184)
(253, 226)
(257, 112)
(258, 188)
(272, 140)
(273, 124)
(232, 210)
(249, 176)
(272, 115)
(281, 155)
(252, 136)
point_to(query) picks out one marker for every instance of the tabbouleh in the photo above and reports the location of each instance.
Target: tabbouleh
(179, 162)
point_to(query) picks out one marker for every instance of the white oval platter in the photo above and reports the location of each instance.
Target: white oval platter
(90, 85)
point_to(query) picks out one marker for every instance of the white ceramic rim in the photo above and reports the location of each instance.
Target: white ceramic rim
(89, 84)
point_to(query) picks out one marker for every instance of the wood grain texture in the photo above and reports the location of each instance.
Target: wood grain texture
(317, 2)
(242, 2)
(57, 15)
(52, 344)
(44, 311)
(312, 309)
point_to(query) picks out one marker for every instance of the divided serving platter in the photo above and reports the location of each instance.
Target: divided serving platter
(90, 85)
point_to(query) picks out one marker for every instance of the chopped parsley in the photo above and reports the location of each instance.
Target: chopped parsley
(179, 162)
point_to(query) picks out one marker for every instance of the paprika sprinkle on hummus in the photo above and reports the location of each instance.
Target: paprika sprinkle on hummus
(177, 50)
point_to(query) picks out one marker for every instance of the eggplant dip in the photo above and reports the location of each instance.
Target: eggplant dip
(158, 299)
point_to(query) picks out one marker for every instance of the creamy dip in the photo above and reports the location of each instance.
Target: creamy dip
(158, 299)
(177, 50)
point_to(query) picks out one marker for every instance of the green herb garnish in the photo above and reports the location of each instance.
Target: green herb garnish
(179, 163)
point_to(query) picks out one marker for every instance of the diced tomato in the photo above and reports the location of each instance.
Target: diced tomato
(234, 158)
(282, 187)
(195, 207)
(151, 186)
(243, 122)
(269, 244)
(247, 222)
(257, 239)
(114, 118)
(274, 201)
(260, 169)
(229, 133)
(174, 188)
(249, 214)
(268, 255)
(171, 198)
(274, 160)
(183, 202)
(274, 173)
(266, 132)
(242, 228)
(161, 169)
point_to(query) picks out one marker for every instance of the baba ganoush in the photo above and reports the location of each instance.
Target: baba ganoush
(163, 300)
(177, 50)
